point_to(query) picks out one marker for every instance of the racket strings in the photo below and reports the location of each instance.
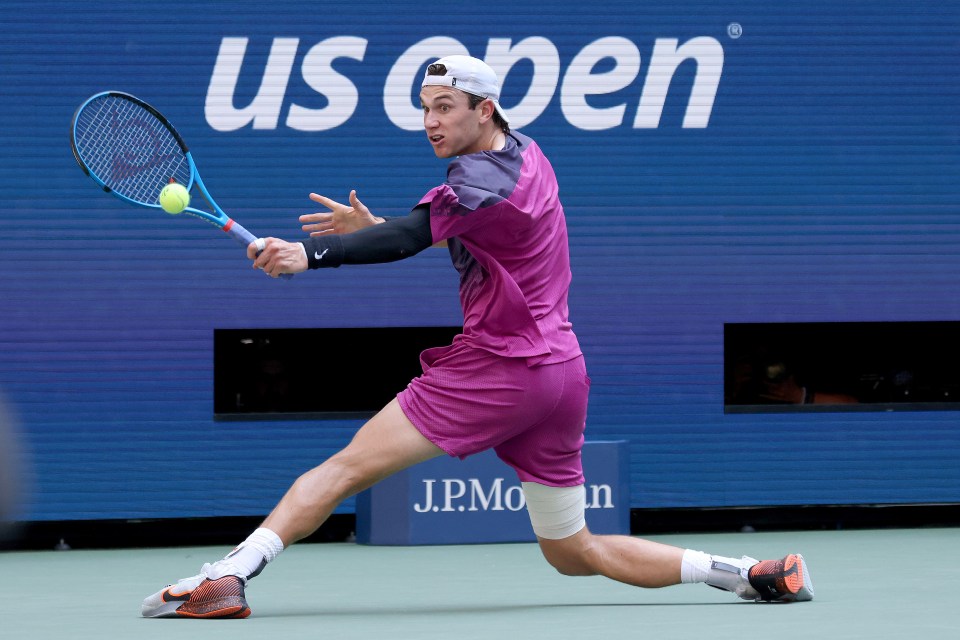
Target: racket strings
(129, 149)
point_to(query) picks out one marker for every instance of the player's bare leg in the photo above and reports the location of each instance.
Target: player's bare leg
(644, 563)
(386, 444)
(641, 563)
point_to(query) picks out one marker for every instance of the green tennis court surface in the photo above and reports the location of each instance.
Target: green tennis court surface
(869, 584)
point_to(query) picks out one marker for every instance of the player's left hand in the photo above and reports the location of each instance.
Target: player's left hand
(278, 257)
(340, 219)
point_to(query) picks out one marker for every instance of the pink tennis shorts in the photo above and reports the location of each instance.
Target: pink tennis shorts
(469, 400)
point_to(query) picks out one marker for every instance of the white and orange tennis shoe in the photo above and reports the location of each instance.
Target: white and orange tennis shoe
(784, 580)
(199, 596)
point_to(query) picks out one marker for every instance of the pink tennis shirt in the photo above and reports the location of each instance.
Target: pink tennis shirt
(500, 212)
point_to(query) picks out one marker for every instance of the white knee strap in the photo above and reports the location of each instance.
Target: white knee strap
(555, 512)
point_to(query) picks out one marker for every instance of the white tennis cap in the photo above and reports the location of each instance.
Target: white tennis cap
(470, 75)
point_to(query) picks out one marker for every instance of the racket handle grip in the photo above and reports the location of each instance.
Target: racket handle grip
(236, 231)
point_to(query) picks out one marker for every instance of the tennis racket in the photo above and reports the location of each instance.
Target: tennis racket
(132, 151)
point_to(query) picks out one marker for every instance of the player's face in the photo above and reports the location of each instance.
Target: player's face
(452, 127)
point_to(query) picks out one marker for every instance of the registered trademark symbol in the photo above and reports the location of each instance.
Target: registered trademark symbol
(734, 30)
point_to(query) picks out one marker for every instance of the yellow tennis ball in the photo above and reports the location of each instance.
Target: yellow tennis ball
(174, 198)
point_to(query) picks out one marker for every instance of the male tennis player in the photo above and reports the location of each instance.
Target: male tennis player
(513, 381)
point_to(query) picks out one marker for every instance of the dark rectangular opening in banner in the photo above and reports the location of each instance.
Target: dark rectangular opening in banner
(841, 366)
(344, 372)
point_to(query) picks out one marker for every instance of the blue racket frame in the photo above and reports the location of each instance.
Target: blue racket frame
(192, 179)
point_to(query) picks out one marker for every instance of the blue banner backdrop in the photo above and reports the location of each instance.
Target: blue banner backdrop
(723, 161)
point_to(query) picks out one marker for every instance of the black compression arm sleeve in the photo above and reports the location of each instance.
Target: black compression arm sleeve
(395, 239)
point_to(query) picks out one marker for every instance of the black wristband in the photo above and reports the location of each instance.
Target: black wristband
(394, 240)
(324, 251)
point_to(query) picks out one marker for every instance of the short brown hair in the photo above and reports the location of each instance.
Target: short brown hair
(441, 70)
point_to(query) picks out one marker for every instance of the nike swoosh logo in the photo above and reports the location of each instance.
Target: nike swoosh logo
(319, 256)
(170, 596)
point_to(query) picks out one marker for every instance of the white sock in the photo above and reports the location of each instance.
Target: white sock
(695, 566)
(250, 557)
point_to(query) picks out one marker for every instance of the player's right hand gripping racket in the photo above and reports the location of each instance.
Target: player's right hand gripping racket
(133, 152)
